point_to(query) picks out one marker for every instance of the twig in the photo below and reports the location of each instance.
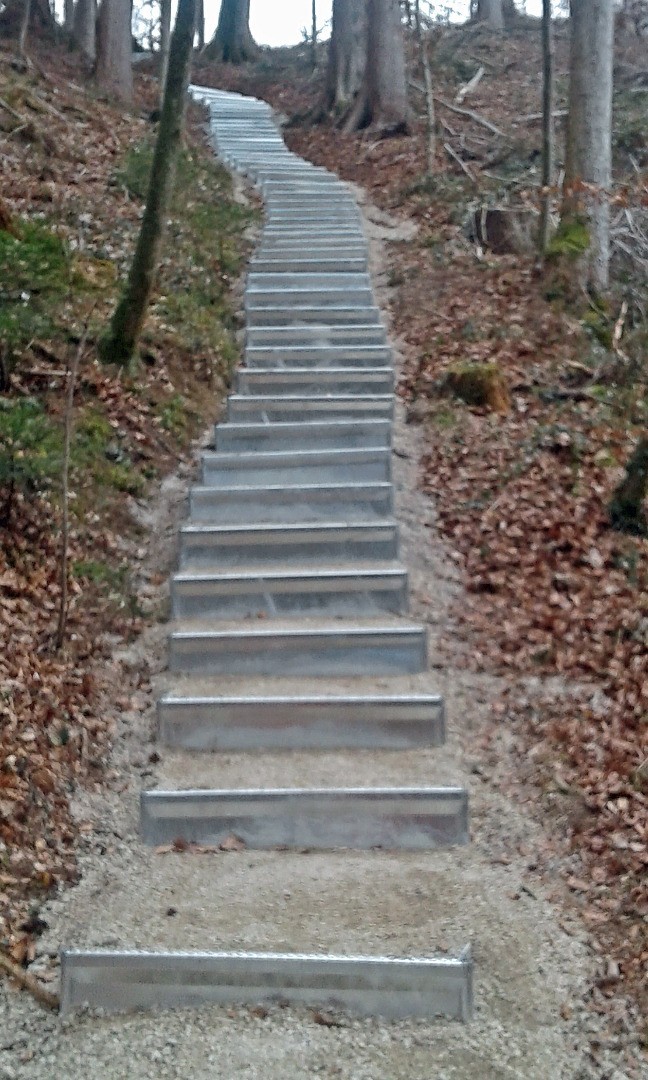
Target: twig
(618, 326)
(470, 115)
(12, 112)
(429, 94)
(470, 86)
(462, 164)
(29, 982)
(65, 483)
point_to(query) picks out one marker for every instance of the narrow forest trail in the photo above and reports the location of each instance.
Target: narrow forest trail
(305, 804)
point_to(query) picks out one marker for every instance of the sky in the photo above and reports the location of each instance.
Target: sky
(280, 22)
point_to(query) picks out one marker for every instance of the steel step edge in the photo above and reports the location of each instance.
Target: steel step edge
(307, 650)
(204, 723)
(404, 819)
(118, 981)
(320, 434)
(201, 544)
(277, 593)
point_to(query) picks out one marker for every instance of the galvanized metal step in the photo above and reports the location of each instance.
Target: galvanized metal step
(366, 986)
(258, 299)
(288, 315)
(318, 335)
(267, 408)
(318, 434)
(291, 502)
(326, 722)
(319, 648)
(266, 545)
(296, 467)
(407, 819)
(309, 381)
(288, 591)
(319, 358)
(289, 262)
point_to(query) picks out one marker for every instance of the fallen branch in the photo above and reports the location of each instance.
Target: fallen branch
(462, 164)
(29, 982)
(470, 116)
(12, 112)
(470, 86)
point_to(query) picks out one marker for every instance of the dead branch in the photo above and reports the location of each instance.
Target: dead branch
(470, 115)
(29, 982)
(12, 112)
(462, 164)
(471, 85)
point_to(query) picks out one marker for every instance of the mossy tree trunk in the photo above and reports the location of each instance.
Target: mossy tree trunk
(627, 510)
(233, 43)
(120, 343)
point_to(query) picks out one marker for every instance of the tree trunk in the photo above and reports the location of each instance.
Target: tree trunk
(382, 102)
(165, 37)
(314, 35)
(233, 43)
(120, 344)
(200, 23)
(39, 18)
(85, 28)
(490, 12)
(547, 125)
(114, 71)
(429, 90)
(347, 55)
(589, 133)
(24, 27)
(68, 15)
(626, 508)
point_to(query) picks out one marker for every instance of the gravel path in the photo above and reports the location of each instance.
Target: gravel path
(531, 970)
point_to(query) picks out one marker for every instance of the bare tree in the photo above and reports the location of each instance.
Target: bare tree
(491, 12)
(232, 41)
(84, 29)
(382, 101)
(200, 23)
(114, 71)
(165, 37)
(347, 54)
(547, 124)
(588, 169)
(429, 91)
(120, 343)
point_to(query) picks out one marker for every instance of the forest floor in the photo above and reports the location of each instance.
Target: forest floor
(553, 604)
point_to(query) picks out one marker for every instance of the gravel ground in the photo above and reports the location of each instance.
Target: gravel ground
(533, 966)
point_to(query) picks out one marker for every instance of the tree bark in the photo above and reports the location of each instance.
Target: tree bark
(39, 18)
(84, 30)
(24, 27)
(429, 90)
(314, 35)
(120, 343)
(347, 54)
(382, 101)
(233, 43)
(200, 23)
(589, 133)
(491, 12)
(165, 37)
(68, 15)
(114, 71)
(547, 125)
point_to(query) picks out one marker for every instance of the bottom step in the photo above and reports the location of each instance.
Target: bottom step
(365, 986)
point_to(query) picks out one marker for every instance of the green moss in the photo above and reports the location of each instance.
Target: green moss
(100, 573)
(34, 274)
(173, 414)
(571, 239)
(30, 449)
